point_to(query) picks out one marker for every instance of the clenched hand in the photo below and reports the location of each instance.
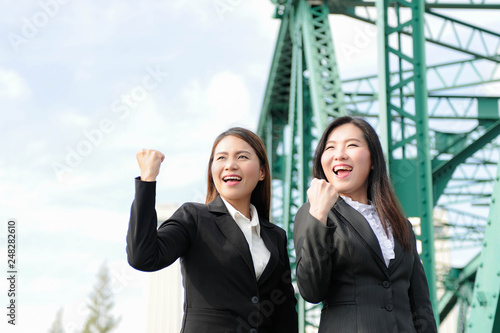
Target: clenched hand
(322, 196)
(149, 161)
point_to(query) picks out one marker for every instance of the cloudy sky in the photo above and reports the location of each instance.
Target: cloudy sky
(83, 87)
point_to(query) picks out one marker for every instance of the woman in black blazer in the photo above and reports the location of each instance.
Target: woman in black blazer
(234, 262)
(356, 252)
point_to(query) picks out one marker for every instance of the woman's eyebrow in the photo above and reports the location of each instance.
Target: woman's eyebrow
(349, 139)
(243, 152)
(237, 152)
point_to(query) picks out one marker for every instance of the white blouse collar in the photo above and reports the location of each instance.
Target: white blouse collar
(360, 207)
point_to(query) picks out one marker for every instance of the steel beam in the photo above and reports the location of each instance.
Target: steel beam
(337, 5)
(476, 34)
(485, 308)
(416, 167)
(443, 172)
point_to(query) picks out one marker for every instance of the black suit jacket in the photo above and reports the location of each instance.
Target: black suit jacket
(341, 264)
(221, 290)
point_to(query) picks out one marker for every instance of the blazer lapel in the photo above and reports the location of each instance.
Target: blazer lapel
(271, 241)
(231, 231)
(359, 223)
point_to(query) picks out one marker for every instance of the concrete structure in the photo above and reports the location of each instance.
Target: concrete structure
(166, 294)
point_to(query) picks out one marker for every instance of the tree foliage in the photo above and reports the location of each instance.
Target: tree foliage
(100, 319)
(57, 326)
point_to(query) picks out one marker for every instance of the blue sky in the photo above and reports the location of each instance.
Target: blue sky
(83, 87)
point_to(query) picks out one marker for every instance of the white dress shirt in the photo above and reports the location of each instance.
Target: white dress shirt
(370, 214)
(251, 230)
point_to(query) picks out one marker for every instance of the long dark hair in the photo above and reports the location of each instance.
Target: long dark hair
(261, 195)
(380, 190)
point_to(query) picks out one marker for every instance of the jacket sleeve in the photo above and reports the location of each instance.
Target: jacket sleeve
(423, 316)
(285, 318)
(149, 249)
(314, 249)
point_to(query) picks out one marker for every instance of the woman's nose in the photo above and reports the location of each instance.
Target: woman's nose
(230, 164)
(340, 154)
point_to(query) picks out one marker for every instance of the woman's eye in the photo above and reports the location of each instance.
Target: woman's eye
(243, 157)
(329, 147)
(220, 158)
(352, 145)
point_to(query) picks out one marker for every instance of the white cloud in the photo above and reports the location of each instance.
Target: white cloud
(193, 96)
(227, 96)
(355, 45)
(82, 74)
(93, 224)
(13, 85)
(261, 13)
(72, 118)
(48, 284)
(85, 22)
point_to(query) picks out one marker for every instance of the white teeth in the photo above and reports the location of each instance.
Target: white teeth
(341, 167)
(231, 178)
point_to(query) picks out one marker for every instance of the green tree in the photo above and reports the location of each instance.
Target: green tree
(57, 326)
(100, 319)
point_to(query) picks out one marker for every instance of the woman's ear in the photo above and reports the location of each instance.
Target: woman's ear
(262, 174)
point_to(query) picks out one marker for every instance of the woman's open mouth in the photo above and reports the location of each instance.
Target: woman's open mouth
(342, 170)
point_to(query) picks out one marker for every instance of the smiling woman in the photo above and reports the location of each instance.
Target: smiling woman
(237, 170)
(347, 163)
(356, 252)
(234, 262)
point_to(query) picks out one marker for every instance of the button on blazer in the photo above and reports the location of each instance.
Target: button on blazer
(341, 265)
(222, 293)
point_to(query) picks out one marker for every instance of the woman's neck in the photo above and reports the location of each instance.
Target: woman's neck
(363, 199)
(242, 206)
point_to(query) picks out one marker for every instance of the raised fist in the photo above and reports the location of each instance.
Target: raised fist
(149, 161)
(322, 196)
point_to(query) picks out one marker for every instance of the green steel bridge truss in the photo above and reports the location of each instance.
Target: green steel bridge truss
(438, 122)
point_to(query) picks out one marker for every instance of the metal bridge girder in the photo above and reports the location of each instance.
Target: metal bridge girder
(392, 102)
(485, 309)
(304, 92)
